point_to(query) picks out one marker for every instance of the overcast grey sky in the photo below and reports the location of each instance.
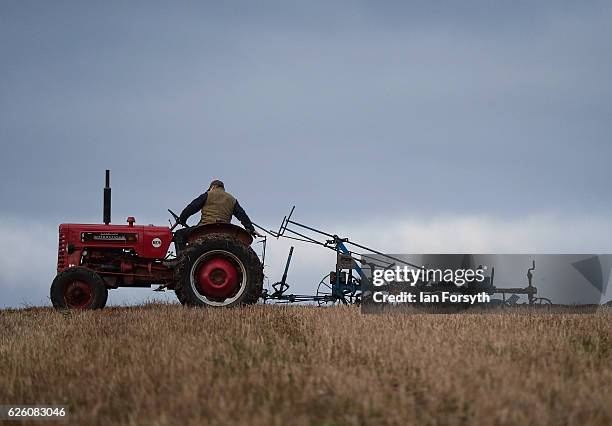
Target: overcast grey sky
(440, 109)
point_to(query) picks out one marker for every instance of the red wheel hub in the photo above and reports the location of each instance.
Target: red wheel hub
(217, 278)
(78, 294)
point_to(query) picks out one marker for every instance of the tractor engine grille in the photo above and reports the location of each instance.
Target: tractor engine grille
(61, 251)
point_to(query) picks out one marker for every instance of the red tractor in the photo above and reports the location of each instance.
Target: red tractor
(216, 267)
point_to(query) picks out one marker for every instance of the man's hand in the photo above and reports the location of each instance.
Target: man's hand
(256, 234)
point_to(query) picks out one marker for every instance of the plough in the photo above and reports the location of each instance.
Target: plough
(350, 281)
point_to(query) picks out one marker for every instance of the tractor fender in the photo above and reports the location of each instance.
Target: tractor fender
(197, 232)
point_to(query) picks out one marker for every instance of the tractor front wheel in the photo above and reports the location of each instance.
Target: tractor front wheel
(78, 288)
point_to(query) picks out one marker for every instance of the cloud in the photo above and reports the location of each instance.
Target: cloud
(436, 100)
(540, 233)
(28, 265)
(28, 261)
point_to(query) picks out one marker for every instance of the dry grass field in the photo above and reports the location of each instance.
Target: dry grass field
(272, 365)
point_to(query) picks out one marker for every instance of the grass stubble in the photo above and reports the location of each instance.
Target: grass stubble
(163, 364)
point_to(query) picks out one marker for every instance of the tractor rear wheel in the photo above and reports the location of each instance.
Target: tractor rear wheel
(78, 288)
(218, 270)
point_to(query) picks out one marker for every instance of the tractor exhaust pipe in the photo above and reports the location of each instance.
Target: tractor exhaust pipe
(107, 200)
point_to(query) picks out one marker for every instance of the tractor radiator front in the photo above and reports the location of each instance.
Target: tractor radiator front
(61, 251)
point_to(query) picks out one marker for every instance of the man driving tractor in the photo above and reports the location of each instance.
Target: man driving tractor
(216, 206)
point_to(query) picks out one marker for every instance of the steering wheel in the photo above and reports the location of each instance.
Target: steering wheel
(176, 220)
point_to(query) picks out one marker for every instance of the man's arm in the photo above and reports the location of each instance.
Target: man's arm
(243, 217)
(193, 207)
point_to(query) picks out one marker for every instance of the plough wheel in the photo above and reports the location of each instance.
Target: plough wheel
(326, 298)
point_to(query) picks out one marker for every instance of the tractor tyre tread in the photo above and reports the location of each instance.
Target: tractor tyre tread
(83, 274)
(209, 242)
